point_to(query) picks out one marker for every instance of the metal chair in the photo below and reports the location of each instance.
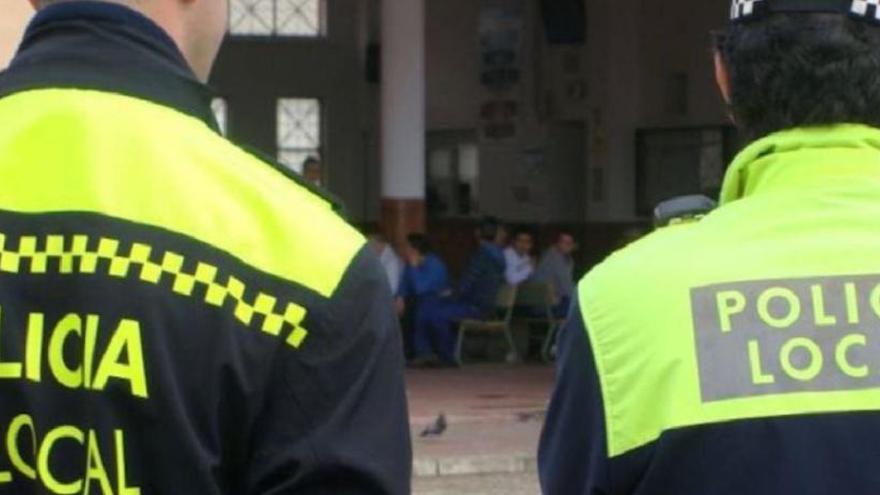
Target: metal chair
(505, 303)
(541, 298)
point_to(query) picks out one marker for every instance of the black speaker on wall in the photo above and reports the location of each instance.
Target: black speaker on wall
(565, 21)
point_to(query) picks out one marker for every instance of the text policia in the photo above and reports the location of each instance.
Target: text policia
(45, 359)
(787, 336)
(790, 312)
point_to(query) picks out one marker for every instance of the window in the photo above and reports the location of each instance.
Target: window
(453, 174)
(221, 113)
(303, 18)
(299, 131)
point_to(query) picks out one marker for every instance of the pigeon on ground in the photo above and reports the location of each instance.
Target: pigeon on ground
(437, 428)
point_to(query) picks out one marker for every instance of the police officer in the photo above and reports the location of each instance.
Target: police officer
(176, 315)
(740, 354)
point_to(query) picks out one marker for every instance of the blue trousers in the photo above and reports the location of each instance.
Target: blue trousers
(436, 329)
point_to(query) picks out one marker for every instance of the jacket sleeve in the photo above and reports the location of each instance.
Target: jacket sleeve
(335, 420)
(573, 457)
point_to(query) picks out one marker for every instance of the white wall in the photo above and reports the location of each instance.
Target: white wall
(253, 73)
(453, 79)
(615, 56)
(511, 185)
(632, 51)
(675, 43)
(635, 50)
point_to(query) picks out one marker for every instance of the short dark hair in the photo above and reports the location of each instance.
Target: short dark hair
(374, 233)
(489, 227)
(523, 231)
(419, 242)
(564, 233)
(802, 70)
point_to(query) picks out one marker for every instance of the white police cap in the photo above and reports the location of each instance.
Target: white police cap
(748, 10)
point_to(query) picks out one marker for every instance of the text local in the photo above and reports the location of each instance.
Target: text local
(781, 308)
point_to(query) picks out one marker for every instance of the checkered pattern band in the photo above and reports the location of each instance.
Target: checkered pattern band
(748, 10)
(744, 9)
(866, 9)
(79, 254)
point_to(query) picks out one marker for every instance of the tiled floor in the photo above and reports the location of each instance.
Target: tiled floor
(485, 484)
(494, 414)
(479, 393)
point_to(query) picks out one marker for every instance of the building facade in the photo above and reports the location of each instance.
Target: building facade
(556, 143)
(575, 113)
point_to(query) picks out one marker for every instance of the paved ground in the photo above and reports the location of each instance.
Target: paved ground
(483, 393)
(519, 484)
(494, 413)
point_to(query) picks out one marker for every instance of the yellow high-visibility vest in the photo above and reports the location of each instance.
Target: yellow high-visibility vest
(769, 306)
(149, 166)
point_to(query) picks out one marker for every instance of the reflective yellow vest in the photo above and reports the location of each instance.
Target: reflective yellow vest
(770, 306)
(190, 182)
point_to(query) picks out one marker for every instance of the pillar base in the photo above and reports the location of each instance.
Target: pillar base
(401, 217)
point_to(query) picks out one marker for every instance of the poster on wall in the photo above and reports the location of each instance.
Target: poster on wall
(502, 28)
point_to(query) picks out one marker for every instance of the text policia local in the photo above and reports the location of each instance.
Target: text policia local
(787, 336)
(66, 353)
(821, 329)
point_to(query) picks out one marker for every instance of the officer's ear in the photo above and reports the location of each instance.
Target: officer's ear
(722, 76)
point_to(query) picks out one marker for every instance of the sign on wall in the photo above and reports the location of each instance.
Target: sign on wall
(502, 29)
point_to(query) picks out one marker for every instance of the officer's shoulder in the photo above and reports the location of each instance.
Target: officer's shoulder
(666, 251)
(310, 239)
(283, 187)
(301, 203)
(313, 190)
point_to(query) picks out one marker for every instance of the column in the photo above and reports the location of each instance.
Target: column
(403, 118)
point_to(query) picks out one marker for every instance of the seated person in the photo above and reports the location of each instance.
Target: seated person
(425, 277)
(436, 321)
(425, 274)
(518, 258)
(557, 269)
(388, 258)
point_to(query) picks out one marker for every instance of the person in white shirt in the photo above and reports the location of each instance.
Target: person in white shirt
(518, 258)
(391, 262)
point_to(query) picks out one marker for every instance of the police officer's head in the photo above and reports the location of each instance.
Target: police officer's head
(197, 26)
(523, 241)
(798, 63)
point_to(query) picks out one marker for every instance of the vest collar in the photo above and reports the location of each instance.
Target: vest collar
(805, 158)
(106, 47)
